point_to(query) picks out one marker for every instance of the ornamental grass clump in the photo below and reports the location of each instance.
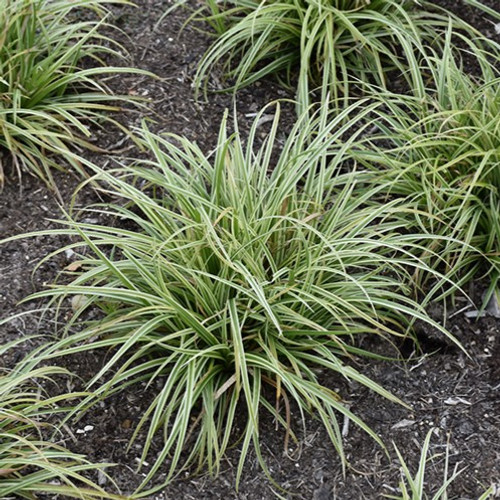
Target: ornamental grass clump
(47, 99)
(326, 43)
(231, 281)
(440, 151)
(30, 465)
(413, 486)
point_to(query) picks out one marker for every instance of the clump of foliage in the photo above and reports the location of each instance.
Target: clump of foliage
(440, 151)
(29, 464)
(332, 42)
(235, 272)
(47, 99)
(412, 486)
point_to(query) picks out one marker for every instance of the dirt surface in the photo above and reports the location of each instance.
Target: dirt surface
(456, 395)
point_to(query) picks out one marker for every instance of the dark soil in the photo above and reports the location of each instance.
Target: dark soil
(456, 395)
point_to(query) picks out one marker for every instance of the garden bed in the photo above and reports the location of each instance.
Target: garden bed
(456, 395)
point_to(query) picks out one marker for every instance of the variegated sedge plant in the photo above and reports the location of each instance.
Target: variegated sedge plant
(30, 465)
(439, 149)
(327, 43)
(47, 99)
(415, 486)
(229, 273)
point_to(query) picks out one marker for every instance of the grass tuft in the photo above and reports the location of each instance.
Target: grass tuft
(234, 276)
(413, 487)
(47, 100)
(29, 464)
(439, 150)
(326, 43)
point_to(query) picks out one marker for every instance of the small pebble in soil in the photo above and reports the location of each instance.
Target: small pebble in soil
(456, 401)
(86, 429)
(78, 301)
(322, 493)
(102, 479)
(142, 463)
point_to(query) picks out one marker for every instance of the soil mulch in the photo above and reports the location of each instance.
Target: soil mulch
(455, 395)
